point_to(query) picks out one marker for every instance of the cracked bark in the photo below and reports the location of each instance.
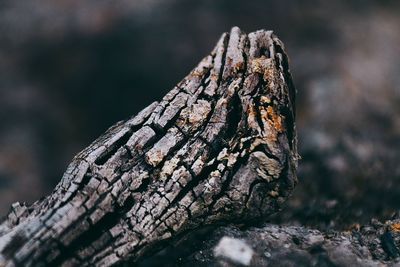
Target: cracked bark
(220, 147)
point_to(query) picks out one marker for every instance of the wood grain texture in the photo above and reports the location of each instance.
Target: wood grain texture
(219, 147)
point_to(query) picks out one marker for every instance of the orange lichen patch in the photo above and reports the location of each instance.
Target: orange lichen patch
(265, 99)
(213, 77)
(266, 67)
(395, 227)
(271, 76)
(197, 73)
(271, 136)
(269, 114)
(252, 119)
(154, 158)
(275, 118)
(238, 66)
(260, 65)
(271, 123)
(251, 112)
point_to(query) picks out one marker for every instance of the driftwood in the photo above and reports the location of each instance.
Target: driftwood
(220, 147)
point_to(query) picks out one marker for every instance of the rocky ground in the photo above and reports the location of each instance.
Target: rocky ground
(60, 61)
(273, 245)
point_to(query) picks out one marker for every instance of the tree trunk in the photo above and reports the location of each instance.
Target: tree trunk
(220, 147)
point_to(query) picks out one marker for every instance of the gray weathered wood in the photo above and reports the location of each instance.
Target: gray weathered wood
(219, 147)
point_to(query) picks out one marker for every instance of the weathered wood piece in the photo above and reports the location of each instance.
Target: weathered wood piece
(219, 147)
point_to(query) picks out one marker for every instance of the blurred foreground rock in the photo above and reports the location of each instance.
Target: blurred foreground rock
(376, 244)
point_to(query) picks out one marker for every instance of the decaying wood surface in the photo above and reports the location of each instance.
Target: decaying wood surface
(220, 147)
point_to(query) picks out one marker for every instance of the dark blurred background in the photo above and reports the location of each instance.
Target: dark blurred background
(70, 69)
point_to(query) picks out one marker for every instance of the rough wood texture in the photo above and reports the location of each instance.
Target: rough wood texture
(219, 147)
